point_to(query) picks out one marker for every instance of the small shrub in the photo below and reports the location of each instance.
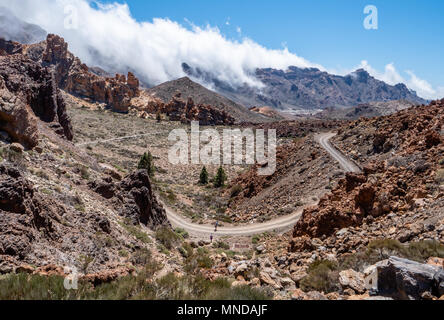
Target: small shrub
(221, 245)
(439, 177)
(141, 257)
(322, 276)
(84, 172)
(167, 237)
(235, 191)
(182, 232)
(85, 261)
(441, 162)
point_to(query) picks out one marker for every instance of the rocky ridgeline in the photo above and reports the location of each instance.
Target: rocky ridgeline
(186, 111)
(75, 77)
(29, 92)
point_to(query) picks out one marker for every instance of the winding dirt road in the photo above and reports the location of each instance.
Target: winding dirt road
(279, 225)
(324, 141)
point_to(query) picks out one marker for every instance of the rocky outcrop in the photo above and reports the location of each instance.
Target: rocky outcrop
(75, 77)
(186, 111)
(408, 280)
(135, 198)
(29, 91)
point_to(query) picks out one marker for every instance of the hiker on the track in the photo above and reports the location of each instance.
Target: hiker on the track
(217, 224)
(211, 238)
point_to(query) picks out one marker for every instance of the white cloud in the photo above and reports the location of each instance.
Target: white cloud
(157, 49)
(391, 76)
(154, 49)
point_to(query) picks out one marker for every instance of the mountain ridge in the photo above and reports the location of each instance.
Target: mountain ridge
(309, 88)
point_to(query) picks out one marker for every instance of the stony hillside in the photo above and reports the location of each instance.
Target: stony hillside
(188, 88)
(395, 205)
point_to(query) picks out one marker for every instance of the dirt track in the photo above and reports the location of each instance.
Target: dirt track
(283, 224)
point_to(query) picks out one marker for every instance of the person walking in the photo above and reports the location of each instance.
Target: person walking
(211, 238)
(217, 224)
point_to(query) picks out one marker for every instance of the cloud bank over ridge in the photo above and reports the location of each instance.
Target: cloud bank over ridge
(106, 35)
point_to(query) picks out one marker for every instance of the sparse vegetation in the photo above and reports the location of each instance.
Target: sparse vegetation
(419, 251)
(147, 163)
(322, 276)
(84, 172)
(136, 231)
(235, 191)
(221, 245)
(182, 232)
(203, 179)
(220, 178)
(140, 287)
(167, 237)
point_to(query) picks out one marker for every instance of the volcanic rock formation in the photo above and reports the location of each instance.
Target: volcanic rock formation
(27, 92)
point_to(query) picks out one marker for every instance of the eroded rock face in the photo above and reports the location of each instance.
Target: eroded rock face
(24, 215)
(29, 91)
(75, 77)
(135, 198)
(139, 202)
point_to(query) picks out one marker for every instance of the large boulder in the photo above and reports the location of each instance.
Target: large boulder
(350, 279)
(408, 280)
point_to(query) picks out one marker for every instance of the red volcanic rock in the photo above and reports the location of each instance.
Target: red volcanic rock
(390, 183)
(28, 92)
(432, 139)
(365, 198)
(74, 77)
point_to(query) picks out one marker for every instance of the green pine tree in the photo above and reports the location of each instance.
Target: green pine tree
(221, 177)
(203, 179)
(147, 163)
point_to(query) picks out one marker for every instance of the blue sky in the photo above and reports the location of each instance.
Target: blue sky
(327, 32)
